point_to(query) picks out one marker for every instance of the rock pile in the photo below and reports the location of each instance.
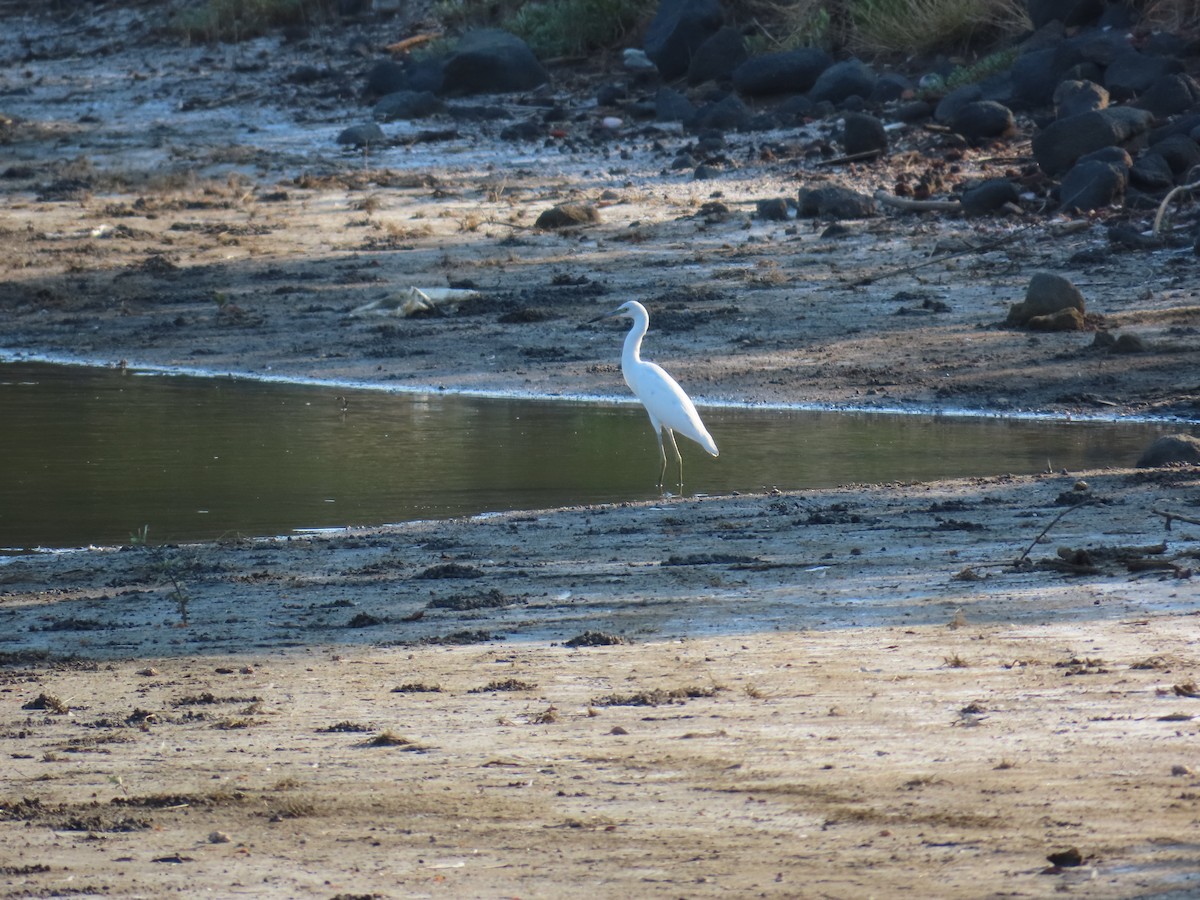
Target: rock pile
(1113, 113)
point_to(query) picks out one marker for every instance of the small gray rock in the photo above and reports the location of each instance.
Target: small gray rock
(989, 196)
(406, 105)
(567, 215)
(835, 202)
(773, 210)
(361, 135)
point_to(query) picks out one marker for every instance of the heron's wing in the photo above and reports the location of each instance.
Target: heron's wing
(666, 402)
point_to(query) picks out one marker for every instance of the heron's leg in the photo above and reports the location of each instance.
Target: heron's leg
(678, 456)
(662, 474)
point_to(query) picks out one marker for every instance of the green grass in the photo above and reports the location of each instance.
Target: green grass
(577, 27)
(238, 20)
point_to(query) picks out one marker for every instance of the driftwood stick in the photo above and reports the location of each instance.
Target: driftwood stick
(917, 205)
(1166, 201)
(1020, 559)
(1170, 517)
(850, 157)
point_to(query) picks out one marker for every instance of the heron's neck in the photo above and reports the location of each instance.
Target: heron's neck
(632, 353)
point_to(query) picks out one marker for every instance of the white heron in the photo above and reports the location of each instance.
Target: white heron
(669, 408)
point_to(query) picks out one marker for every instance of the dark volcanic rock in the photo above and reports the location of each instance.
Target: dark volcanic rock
(361, 135)
(1092, 184)
(795, 71)
(1132, 73)
(848, 78)
(566, 215)
(948, 107)
(1073, 97)
(989, 196)
(717, 57)
(406, 105)
(835, 202)
(1151, 173)
(672, 106)
(982, 119)
(1181, 153)
(1171, 448)
(1046, 295)
(1034, 76)
(388, 77)
(773, 210)
(728, 114)
(863, 134)
(1057, 146)
(491, 61)
(1170, 95)
(678, 29)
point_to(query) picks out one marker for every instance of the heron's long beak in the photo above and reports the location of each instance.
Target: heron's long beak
(607, 315)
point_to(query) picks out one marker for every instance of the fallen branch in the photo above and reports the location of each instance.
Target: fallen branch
(401, 48)
(1171, 517)
(1166, 201)
(1024, 556)
(917, 205)
(850, 157)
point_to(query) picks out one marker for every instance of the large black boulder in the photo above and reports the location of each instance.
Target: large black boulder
(862, 134)
(1069, 12)
(388, 76)
(1181, 153)
(1057, 146)
(406, 105)
(1092, 184)
(676, 32)
(1171, 449)
(1034, 76)
(1170, 95)
(1132, 73)
(794, 71)
(848, 78)
(491, 61)
(717, 57)
(981, 120)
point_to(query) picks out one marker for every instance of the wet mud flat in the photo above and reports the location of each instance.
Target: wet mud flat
(188, 207)
(839, 693)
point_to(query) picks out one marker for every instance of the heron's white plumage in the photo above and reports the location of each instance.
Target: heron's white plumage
(670, 409)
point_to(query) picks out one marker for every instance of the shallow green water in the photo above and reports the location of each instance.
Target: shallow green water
(91, 456)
